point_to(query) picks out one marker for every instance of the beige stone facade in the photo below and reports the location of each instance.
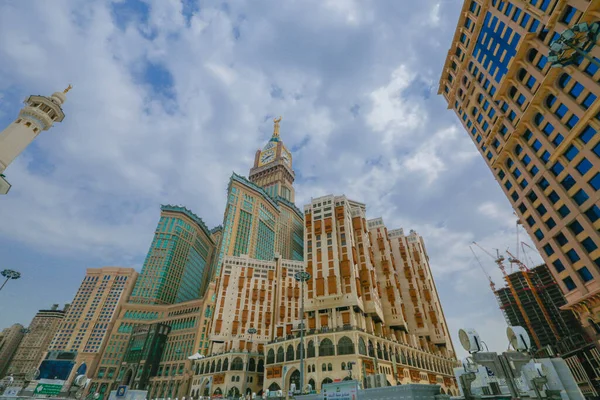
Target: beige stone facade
(38, 336)
(370, 301)
(190, 324)
(10, 338)
(536, 127)
(92, 314)
(253, 294)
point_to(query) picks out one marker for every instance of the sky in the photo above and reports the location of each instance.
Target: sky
(171, 96)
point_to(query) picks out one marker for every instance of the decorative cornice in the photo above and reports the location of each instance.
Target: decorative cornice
(189, 214)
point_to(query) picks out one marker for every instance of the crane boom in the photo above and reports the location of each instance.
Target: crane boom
(492, 284)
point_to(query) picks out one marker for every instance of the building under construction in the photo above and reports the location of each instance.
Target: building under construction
(532, 299)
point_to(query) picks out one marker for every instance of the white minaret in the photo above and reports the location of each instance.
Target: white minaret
(38, 115)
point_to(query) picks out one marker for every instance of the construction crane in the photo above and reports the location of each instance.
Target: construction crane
(492, 284)
(499, 260)
(523, 244)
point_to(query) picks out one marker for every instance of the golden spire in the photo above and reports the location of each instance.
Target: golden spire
(67, 89)
(276, 128)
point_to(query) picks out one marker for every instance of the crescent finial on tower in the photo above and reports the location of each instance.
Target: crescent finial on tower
(276, 128)
(67, 89)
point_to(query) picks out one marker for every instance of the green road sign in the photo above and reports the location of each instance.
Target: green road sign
(47, 389)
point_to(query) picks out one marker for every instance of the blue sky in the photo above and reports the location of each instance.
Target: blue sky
(172, 96)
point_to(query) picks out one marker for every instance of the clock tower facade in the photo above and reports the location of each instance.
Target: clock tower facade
(272, 168)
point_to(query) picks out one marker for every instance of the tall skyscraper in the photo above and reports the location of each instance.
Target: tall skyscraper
(536, 128)
(533, 300)
(92, 314)
(260, 217)
(39, 114)
(371, 303)
(38, 336)
(10, 338)
(178, 260)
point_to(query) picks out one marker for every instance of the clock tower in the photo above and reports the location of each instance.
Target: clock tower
(273, 167)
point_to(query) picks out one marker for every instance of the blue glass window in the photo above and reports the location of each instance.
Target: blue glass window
(515, 16)
(554, 197)
(522, 208)
(542, 62)
(536, 145)
(508, 185)
(568, 182)
(525, 19)
(571, 152)
(489, 155)
(520, 100)
(539, 234)
(534, 26)
(591, 69)
(548, 250)
(543, 183)
(568, 14)
(548, 129)
(576, 90)
(561, 111)
(550, 223)
(564, 211)
(523, 183)
(501, 174)
(526, 160)
(496, 143)
(568, 281)
(538, 118)
(527, 135)
(593, 213)
(530, 221)
(530, 82)
(514, 196)
(558, 266)
(512, 115)
(572, 255)
(589, 245)
(575, 227)
(485, 126)
(585, 274)
(564, 79)
(596, 149)
(589, 100)
(532, 196)
(587, 134)
(584, 166)
(541, 209)
(545, 156)
(561, 239)
(558, 139)
(544, 5)
(595, 182)
(509, 162)
(580, 197)
(534, 170)
(572, 121)
(478, 139)
(557, 168)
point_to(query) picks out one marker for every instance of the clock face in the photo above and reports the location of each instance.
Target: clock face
(270, 145)
(267, 157)
(286, 158)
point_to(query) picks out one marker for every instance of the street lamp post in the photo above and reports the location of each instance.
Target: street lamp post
(574, 43)
(9, 274)
(302, 277)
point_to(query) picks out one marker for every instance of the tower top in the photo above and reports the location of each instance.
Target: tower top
(68, 88)
(276, 127)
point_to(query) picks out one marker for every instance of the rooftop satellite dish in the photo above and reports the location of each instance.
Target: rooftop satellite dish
(518, 338)
(469, 339)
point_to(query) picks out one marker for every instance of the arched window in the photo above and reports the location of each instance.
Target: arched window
(298, 356)
(212, 367)
(521, 74)
(326, 381)
(323, 367)
(261, 366)
(531, 55)
(326, 348)
(311, 382)
(464, 80)
(310, 349)
(289, 353)
(371, 349)
(518, 149)
(280, 355)
(343, 366)
(271, 357)
(252, 365)
(538, 118)
(218, 366)
(345, 346)
(362, 348)
(237, 364)
(379, 353)
(474, 111)
(563, 80)
(225, 364)
(329, 367)
(512, 91)
(550, 100)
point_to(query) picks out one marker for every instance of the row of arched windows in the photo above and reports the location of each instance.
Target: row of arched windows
(223, 365)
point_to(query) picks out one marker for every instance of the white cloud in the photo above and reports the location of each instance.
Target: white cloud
(165, 108)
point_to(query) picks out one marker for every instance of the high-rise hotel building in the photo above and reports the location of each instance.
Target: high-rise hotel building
(536, 128)
(92, 314)
(370, 302)
(177, 264)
